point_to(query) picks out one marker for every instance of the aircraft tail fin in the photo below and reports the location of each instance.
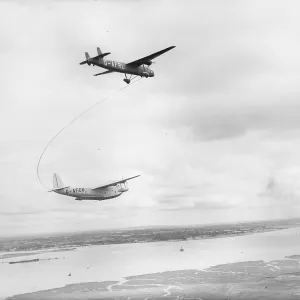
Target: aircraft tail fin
(57, 182)
(100, 54)
(87, 61)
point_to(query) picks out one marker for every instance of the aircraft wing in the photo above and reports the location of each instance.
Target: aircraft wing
(106, 72)
(146, 59)
(114, 183)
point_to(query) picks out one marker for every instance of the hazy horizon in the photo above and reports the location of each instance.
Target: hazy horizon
(58, 233)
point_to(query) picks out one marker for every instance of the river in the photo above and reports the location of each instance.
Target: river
(112, 262)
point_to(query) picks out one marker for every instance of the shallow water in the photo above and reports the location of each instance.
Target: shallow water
(111, 262)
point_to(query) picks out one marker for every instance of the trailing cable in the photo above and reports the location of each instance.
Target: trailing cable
(72, 121)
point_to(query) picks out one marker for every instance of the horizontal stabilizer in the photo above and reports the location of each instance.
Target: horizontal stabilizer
(102, 73)
(59, 189)
(102, 55)
(90, 60)
(87, 61)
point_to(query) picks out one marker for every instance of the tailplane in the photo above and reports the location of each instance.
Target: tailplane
(87, 61)
(100, 54)
(90, 60)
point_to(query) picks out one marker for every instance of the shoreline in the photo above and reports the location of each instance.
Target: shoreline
(252, 277)
(143, 235)
(10, 254)
(117, 261)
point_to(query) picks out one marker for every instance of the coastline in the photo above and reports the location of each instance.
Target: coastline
(10, 254)
(250, 279)
(114, 262)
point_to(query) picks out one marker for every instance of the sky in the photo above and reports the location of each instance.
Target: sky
(214, 135)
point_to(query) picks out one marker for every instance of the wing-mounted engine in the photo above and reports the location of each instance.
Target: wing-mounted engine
(123, 187)
(115, 183)
(148, 62)
(145, 74)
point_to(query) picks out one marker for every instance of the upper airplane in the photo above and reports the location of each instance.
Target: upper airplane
(102, 192)
(136, 67)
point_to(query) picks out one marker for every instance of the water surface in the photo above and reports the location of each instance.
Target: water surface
(112, 262)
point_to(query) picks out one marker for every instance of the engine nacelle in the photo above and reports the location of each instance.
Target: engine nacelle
(145, 74)
(148, 63)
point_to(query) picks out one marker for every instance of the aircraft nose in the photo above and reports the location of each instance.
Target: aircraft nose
(151, 74)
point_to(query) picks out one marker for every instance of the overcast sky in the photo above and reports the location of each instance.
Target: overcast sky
(215, 134)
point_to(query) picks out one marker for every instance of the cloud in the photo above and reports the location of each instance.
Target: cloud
(220, 115)
(284, 187)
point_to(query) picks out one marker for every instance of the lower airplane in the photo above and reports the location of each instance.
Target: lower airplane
(138, 67)
(102, 192)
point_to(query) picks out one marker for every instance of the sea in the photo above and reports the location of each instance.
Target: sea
(114, 262)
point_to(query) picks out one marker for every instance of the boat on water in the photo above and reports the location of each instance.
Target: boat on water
(24, 261)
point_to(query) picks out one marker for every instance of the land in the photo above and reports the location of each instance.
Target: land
(278, 279)
(13, 254)
(69, 242)
(10, 255)
(296, 257)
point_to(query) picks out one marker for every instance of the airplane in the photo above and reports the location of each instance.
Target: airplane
(136, 67)
(101, 192)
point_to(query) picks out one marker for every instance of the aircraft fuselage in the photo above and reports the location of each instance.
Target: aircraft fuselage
(120, 67)
(93, 194)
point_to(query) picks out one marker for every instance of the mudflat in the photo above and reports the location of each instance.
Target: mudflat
(218, 266)
(278, 279)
